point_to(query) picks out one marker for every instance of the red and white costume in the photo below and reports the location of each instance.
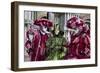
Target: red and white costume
(79, 40)
(38, 43)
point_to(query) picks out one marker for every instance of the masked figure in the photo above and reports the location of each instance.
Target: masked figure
(56, 45)
(39, 39)
(32, 35)
(78, 39)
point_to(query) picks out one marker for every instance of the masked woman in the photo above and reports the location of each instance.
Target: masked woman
(32, 35)
(79, 39)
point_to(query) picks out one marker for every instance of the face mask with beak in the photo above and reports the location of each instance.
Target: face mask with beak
(44, 30)
(71, 32)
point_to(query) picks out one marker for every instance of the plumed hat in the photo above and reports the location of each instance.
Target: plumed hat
(43, 22)
(74, 22)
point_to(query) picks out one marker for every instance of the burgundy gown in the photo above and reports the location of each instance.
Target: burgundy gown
(79, 46)
(38, 44)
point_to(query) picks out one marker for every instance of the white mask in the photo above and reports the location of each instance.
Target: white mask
(69, 37)
(45, 29)
(31, 37)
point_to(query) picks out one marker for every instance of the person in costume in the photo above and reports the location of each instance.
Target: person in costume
(40, 37)
(78, 39)
(56, 45)
(32, 34)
